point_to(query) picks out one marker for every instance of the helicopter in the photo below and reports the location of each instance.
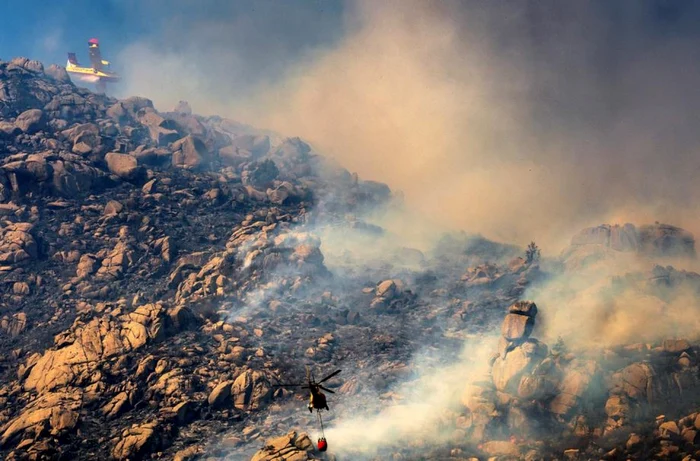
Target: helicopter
(317, 400)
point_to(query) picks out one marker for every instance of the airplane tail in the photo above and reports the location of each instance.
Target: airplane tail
(72, 59)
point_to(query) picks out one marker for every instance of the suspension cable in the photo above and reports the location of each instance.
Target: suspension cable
(320, 420)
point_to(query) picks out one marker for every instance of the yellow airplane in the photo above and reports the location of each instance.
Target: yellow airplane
(98, 73)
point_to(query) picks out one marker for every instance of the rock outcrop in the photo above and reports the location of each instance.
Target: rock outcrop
(606, 241)
(534, 391)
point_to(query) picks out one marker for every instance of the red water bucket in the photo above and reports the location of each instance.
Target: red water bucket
(322, 444)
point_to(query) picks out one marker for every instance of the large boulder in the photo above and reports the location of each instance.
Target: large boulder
(8, 129)
(32, 169)
(14, 325)
(113, 208)
(290, 152)
(220, 394)
(610, 241)
(58, 411)
(189, 152)
(58, 73)
(244, 148)
(182, 318)
(508, 371)
(80, 350)
(260, 174)
(250, 390)
(516, 327)
(666, 240)
(541, 384)
(25, 89)
(85, 137)
(17, 243)
(527, 308)
(480, 399)
(27, 64)
(123, 165)
(281, 193)
(638, 381)
(31, 121)
(127, 110)
(619, 411)
(136, 441)
(620, 238)
(73, 178)
(117, 262)
(482, 275)
(191, 125)
(290, 447)
(579, 379)
(161, 130)
(152, 156)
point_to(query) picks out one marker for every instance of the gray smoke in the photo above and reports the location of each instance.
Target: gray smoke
(518, 120)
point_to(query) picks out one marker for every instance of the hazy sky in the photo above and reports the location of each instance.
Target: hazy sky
(237, 44)
(280, 30)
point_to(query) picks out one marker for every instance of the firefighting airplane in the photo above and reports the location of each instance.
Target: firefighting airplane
(98, 73)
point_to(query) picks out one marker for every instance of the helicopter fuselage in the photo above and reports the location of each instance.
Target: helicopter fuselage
(317, 400)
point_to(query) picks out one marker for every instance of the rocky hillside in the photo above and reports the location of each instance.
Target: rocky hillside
(133, 245)
(162, 271)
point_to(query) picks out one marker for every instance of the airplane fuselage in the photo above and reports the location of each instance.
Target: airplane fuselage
(90, 74)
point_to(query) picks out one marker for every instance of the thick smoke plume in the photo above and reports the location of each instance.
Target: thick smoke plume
(417, 420)
(519, 120)
(613, 303)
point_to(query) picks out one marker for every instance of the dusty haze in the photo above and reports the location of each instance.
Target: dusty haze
(581, 307)
(519, 120)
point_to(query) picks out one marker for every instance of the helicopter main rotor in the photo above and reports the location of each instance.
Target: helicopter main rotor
(311, 382)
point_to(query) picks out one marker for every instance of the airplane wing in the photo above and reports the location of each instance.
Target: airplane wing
(89, 74)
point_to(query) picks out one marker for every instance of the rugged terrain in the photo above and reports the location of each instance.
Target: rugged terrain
(162, 271)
